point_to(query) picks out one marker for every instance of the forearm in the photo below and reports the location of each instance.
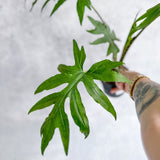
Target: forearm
(146, 94)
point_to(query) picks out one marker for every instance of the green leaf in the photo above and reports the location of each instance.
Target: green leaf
(56, 119)
(59, 118)
(72, 75)
(67, 69)
(147, 18)
(55, 8)
(110, 76)
(64, 130)
(47, 132)
(57, 5)
(44, 5)
(79, 55)
(78, 112)
(108, 36)
(81, 4)
(97, 94)
(103, 71)
(139, 26)
(45, 102)
(53, 82)
(104, 65)
(33, 4)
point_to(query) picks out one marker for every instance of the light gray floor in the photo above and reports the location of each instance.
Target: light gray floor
(31, 47)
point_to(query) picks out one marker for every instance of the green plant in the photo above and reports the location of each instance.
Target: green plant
(104, 70)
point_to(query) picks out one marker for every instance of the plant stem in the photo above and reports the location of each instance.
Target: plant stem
(130, 40)
(99, 15)
(128, 44)
(114, 58)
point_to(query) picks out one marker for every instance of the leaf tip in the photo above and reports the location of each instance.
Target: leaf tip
(51, 14)
(42, 151)
(115, 117)
(42, 9)
(74, 41)
(89, 17)
(29, 112)
(37, 91)
(31, 9)
(81, 22)
(86, 135)
(88, 31)
(66, 152)
(92, 43)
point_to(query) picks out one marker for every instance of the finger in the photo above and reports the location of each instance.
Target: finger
(120, 85)
(114, 90)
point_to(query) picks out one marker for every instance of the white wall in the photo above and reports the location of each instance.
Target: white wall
(31, 47)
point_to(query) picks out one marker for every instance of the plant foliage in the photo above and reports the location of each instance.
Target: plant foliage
(72, 75)
(139, 25)
(81, 4)
(108, 36)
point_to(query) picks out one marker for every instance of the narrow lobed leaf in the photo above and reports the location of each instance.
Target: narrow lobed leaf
(56, 119)
(53, 82)
(81, 4)
(59, 117)
(44, 5)
(78, 112)
(64, 129)
(57, 5)
(45, 102)
(76, 53)
(99, 41)
(103, 71)
(73, 75)
(109, 76)
(79, 55)
(33, 4)
(98, 30)
(47, 132)
(64, 69)
(104, 65)
(82, 57)
(108, 36)
(136, 29)
(97, 94)
(112, 49)
(147, 18)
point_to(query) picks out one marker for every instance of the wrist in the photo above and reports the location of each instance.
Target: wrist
(140, 79)
(137, 79)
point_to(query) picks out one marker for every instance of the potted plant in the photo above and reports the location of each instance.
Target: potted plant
(106, 71)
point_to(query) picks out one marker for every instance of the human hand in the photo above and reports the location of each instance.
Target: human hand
(131, 75)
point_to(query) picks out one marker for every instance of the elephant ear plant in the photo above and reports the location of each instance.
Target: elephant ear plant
(104, 70)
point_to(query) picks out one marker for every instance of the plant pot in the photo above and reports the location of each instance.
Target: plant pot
(107, 89)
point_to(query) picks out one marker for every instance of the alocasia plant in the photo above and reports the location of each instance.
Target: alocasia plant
(104, 70)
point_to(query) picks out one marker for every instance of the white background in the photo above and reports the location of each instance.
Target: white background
(31, 47)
